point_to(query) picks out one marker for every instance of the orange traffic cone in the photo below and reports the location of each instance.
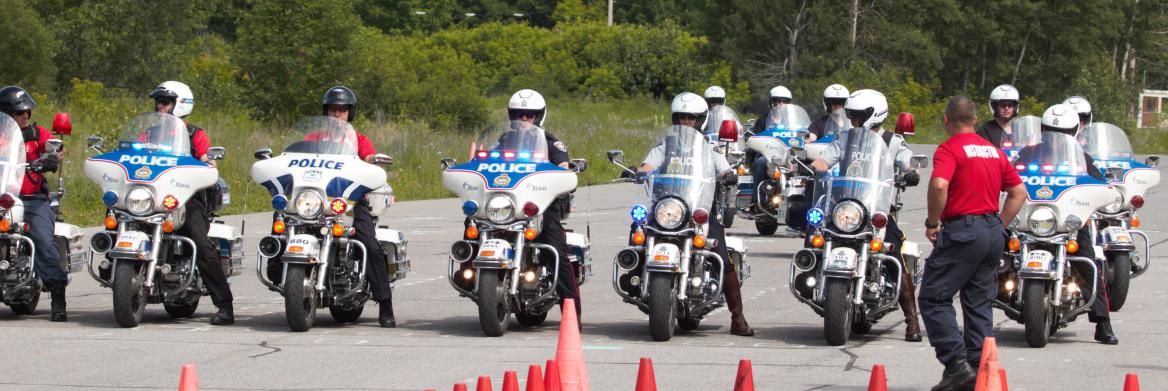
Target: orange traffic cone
(878, 382)
(988, 376)
(745, 379)
(1002, 374)
(569, 352)
(484, 384)
(645, 379)
(551, 380)
(510, 381)
(188, 380)
(534, 378)
(460, 387)
(1131, 382)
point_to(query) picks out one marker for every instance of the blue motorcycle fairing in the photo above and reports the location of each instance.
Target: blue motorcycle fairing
(146, 167)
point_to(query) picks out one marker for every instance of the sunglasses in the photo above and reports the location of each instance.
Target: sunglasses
(687, 116)
(525, 113)
(1007, 105)
(22, 112)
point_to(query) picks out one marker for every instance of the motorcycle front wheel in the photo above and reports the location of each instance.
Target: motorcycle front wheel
(299, 298)
(494, 306)
(837, 311)
(1120, 281)
(1036, 313)
(766, 226)
(661, 304)
(31, 306)
(129, 295)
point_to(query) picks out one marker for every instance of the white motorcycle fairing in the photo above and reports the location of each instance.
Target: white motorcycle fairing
(479, 180)
(178, 176)
(337, 176)
(1078, 196)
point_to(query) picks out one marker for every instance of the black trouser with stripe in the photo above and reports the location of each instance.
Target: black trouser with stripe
(1101, 308)
(553, 234)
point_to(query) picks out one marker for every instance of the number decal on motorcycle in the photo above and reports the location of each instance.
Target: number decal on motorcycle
(1038, 259)
(301, 245)
(495, 249)
(131, 240)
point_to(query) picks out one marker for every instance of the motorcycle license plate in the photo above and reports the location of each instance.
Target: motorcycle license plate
(842, 258)
(132, 241)
(1038, 260)
(1116, 234)
(496, 249)
(301, 245)
(745, 179)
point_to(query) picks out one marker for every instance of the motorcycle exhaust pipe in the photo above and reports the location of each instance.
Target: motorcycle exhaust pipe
(461, 251)
(804, 260)
(101, 242)
(271, 247)
(627, 259)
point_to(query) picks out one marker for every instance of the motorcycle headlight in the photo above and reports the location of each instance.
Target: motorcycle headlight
(1042, 221)
(1115, 206)
(140, 201)
(309, 204)
(848, 216)
(1074, 223)
(669, 213)
(500, 209)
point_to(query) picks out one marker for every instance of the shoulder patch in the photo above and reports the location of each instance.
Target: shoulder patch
(561, 146)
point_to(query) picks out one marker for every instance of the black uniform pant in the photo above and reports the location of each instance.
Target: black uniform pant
(196, 227)
(376, 262)
(1101, 307)
(553, 234)
(39, 216)
(965, 259)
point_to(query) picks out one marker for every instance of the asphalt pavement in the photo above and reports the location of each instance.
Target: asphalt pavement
(438, 341)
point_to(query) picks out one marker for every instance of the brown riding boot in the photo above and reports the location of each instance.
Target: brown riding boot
(733, 290)
(908, 303)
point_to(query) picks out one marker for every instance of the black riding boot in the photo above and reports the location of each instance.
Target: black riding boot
(57, 292)
(224, 317)
(385, 313)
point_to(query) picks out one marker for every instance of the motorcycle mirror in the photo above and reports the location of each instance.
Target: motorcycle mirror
(54, 145)
(919, 161)
(216, 153)
(728, 131)
(906, 125)
(799, 152)
(62, 125)
(263, 154)
(1113, 173)
(579, 164)
(382, 159)
(448, 162)
(616, 156)
(1152, 161)
(95, 142)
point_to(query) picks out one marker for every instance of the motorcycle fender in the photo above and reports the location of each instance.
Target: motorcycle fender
(301, 248)
(1117, 239)
(495, 254)
(664, 257)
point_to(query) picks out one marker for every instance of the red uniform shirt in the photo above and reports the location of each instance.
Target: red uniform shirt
(200, 143)
(33, 148)
(977, 173)
(364, 146)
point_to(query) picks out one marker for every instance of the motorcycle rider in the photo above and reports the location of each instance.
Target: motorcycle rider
(716, 97)
(1064, 118)
(758, 163)
(834, 98)
(176, 98)
(689, 110)
(18, 104)
(1004, 105)
(867, 109)
(1083, 108)
(340, 102)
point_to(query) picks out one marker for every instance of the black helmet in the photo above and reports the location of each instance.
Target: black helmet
(340, 95)
(13, 99)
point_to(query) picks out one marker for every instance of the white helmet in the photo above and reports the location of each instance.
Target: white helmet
(527, 100)
(689, 103)
(781, 92)
(1004, 93)
(1061, 118)
(835, 93)
(869, 106)
(715, 92)
(184, 99)
(1081, 107)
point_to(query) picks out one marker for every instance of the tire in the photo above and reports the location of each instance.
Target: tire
(63, 251)
(689, 324)
(181, 311)
(837, 311)
(766, 226)
(29, 307)
(299, 298)
(728, 216)
(527, 319)
(1118, 286)
(862, 327)
(342, 315)
(1036, 313)
(494, 306)
(129, 295)
(661, 305)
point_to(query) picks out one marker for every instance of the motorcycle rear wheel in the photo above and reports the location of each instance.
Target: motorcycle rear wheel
(661, 305)
(837, 311)
(1117, 287)
(129, 295)
(299, 298)
(766, 226)
(494, 305)
(1036, 313)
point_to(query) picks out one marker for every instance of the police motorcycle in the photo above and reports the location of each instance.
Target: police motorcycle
(66, 237)
(505, 189)
(1038, 286)
(849, 276)
(20, 288)
(145, 182)
(1113, 227)
(315, 183)
(1025, 131)
(723, 128)
(785, 127)
(671, 271)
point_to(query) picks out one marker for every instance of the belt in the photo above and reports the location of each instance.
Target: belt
(969, 219)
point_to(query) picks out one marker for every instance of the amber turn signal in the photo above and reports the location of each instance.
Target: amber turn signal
(5, 225)
(168, 226)
(279, 227)
(817, 241)
(530, 233)
(338, 230)
(638, 238)
(875, 245)
(111, 222)
(1135, 222)
(1014, 244)
(1073, 246)
(472, 232)
(699, 241)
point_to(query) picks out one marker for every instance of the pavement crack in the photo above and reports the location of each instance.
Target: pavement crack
(1159, 243)
(264, 344)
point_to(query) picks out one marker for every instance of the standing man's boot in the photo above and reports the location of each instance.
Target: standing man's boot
(958, 375)
(225, 316)
(385, 313)
(57, 292)
(733, 292)
(1103, 332)
(908, 304)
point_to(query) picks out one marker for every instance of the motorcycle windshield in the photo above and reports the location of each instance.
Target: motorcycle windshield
(513, 142)
(836, 122)
(717, 118)
(322, 135)
(12, 155)
(1026, 131)
(865, 173)
(683, 167)
(1057, 154)
(1104, 141)
(156, 134)
(787, 118)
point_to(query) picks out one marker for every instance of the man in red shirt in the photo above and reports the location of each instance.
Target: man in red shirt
(969, 174)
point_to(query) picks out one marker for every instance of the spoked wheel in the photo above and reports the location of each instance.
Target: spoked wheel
(494, 305)
(129, 295)
(299, 298)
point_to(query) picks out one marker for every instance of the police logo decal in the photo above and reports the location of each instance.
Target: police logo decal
(143, 173)
(855, 170)
(502, 180)
(674, 166)
(1044, 193)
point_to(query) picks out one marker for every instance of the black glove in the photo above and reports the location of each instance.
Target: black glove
(641, 177)
(729, 178)
(47, 163)
(911, 178)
